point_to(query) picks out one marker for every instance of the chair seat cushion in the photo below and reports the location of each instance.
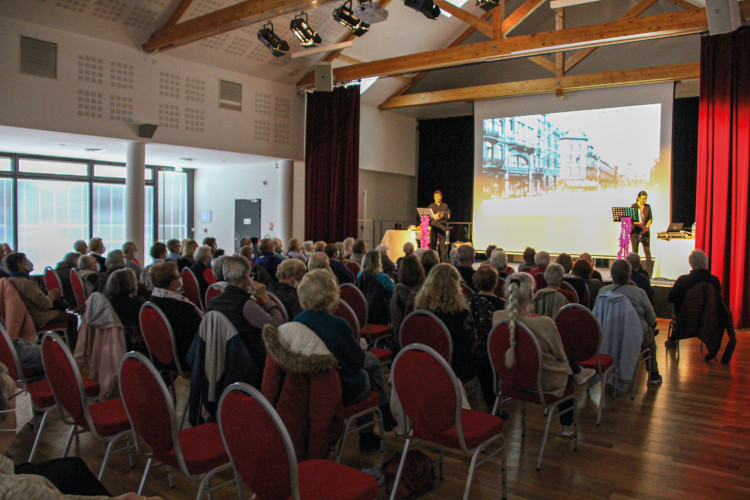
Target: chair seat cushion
(330, 480)
(532, 396)
(477, 427)
(371, 401)
(109, 417)
(42, 397)
(376, 331)
(605, 360)
(54, 327)
(382, 354)
(202, 448)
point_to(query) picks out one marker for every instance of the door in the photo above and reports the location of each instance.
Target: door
(246, 220)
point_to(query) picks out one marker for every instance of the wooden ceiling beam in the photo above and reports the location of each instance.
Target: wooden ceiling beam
(174, 18)
(353, 60)
(545, 62)
(623, 31)
(220, 21)
(475, 22)
(685, 5)
(654, 74)
(519, 15)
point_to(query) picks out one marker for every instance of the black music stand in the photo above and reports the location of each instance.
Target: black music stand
(619, 212)
(425, 211)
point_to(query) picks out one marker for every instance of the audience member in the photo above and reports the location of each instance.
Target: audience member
(247, 306)
(554, 275)
(87, 270)
(529, 262)
(348, 246)
(410, 279)
(278, 248)
(115, 260)
(189, 247)
(359, 370)
(340, 248)
(295, 250)
(377, 288)
(582, 269)
(289, 274)
(499, 260)
(96, 250)
(429, 259)
(80, 246)
(130, 252)
(699, 273)
(408, 249)
(267, 258)
(579, 282)
(254, 240)
(594, 273)
(541, 259)
(216, 268)
(342, 273)
(319, 246)
(122, 292)
(158, 253)
(388, 265)
(639, 276)
(620, 271)
(63, 268)
(358, 252)
(3, 254)
(488, 251)
(202, 268)
(184, 317)
(465, 257)
(307, 248)
(244, 241)
(44, 310)
(210, 241)
(566, 261)
(319, 260)
(174, 250)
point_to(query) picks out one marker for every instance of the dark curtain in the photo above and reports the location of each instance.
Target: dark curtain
(684, 159)
(723, 161)
(332, 164)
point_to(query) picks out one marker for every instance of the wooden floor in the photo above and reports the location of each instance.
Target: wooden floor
(688, 438)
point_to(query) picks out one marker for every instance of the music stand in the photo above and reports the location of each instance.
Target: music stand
(619, 212)
(425, 211)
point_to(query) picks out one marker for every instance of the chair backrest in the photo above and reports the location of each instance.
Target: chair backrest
(570, 288)
(526, 371)
(52, 280)
(65, 379)
(212, 292)
(78, 291)
(148, 404)
(466, 290)
(279, 303)
(356, 300)
(345, 312)
(159, 337)
(427, 390)
(424, 327)
(580, 332)
(500, 288)
(8, 355)
(257, 442)
(539, 281)
(548, 301)
(191, 288)
(353, 267)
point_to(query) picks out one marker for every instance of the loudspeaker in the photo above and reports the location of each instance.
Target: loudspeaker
(723, 16)
(147, 130)
(323, 77)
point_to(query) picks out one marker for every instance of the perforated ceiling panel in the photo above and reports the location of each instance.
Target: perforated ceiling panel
(108, 10)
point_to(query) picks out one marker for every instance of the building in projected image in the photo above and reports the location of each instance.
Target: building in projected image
(530, 156)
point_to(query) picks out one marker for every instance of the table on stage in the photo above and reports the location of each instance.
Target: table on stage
(670, 257)
(395, 239)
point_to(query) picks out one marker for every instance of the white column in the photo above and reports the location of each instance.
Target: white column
(286, 199)
(135, 189)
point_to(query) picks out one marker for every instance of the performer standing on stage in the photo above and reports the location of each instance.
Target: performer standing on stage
(640, 231)
(439, 224)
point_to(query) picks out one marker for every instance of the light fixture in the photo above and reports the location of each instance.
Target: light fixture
(426, 7)
(302, 30)
(370, 12)
(487, 5)
(271, 40)
(345, 16)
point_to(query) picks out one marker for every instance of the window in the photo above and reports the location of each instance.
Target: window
(117, 172)
(51, 216)
(6, 207)
(172, 210)
(108, 215)
(52, 167)
(4, 164)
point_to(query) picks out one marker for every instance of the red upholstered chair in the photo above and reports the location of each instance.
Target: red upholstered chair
(212, 292)
(191, 288)
(198, 452)
(354, 297)
(428, 392)
(78, 291)
(523, 381)
(567, 286)
(539, 281)
(162, 348)
(466, 290)
(353, 268)
(107, 421)
(262, 454)
(581, 335)
(343, 311)
(279, 303)
(423, 327)
(42, 399)
(52, 280)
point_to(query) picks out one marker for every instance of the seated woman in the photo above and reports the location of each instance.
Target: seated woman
(122, 292)
(289, 274)
(87, 270)
(556, 371)
(189, 247)
(63, 268)
(359, 370)
(377, 287)
(183, 315)
(115, 260)
(429, 259)
(554, 275)
(202, 268)
(410, 279)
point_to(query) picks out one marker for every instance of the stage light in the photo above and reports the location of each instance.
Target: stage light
(345, 16)
(370, 12)
(487, 5)
(271, 40)
(302, 30)
(426, 7)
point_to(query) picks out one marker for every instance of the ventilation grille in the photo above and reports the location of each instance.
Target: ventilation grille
(230, 95)
(38, 57)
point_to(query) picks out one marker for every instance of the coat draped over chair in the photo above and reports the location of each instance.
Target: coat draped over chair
(18, 321)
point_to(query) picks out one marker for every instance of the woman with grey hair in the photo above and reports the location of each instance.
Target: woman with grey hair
(318, 260)
(87, 270)
(115, 260)
(289, 275)
(554, 276)
(202, 268)
(216, 268)
(122, 292)
(499, 260)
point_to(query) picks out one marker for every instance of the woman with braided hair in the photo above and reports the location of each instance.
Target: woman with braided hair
(556, 371)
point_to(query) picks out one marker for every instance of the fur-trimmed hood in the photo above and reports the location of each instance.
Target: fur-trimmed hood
(297, 349)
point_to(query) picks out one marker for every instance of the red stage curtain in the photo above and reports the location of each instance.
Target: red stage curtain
(723, 161)
(332, 164)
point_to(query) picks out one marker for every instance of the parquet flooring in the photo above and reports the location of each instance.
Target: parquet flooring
(688, 438)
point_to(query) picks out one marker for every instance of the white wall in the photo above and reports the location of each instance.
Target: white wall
(387, 142)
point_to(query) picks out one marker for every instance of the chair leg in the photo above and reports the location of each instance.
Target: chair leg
(347, 422)
(544, 439)
(601, 400)
(145, 474)
(523, 418)
(494, 406)
(106, 457)
(184, 414)
(169, 477)
(42, 425)
(202, 487)
(70, 440)
(400, 468)
(382, 436)
(130, 451)
(505, 470)
(471, 472)
(442, 461)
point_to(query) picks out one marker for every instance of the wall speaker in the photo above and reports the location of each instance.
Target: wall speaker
(723, 16)
(323, 77)
(147, 130)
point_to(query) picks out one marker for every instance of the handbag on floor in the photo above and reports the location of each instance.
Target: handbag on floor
(416, 478)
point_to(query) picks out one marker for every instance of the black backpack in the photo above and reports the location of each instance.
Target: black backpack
(378, 308)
